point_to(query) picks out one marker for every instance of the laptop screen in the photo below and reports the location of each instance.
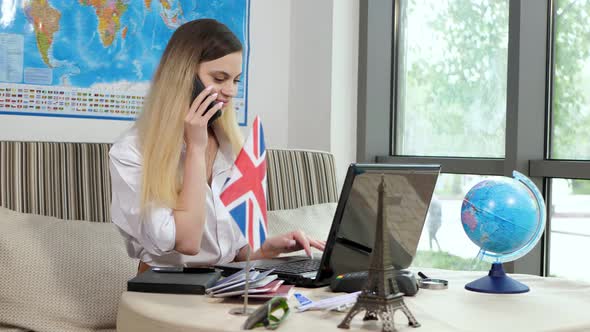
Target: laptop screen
(409, 189)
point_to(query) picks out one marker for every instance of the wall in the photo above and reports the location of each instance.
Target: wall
(323, 78)
(344, 84)
(310, 74)
(268, 94)
(34, 128)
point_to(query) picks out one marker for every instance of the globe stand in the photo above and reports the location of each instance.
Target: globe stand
(505, 218)
(497, 282)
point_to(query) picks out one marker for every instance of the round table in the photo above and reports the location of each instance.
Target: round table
(173, 312)
(553, 304)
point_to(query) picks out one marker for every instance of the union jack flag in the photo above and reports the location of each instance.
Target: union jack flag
(244, 193)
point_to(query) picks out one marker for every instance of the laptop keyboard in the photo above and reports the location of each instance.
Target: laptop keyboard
(302, 266)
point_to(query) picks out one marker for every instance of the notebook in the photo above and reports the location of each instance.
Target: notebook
(283, 291)
(174, 282)
(272, 286)
(237, 280)
(252, 285)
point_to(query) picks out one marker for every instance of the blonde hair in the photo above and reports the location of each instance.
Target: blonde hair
(161, 124)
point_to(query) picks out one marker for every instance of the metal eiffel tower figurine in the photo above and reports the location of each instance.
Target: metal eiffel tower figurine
(380, 297)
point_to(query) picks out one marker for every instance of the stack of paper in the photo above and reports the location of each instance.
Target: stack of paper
(261, 285)
(279, 290)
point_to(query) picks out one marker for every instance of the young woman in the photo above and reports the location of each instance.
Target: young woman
(168, 169)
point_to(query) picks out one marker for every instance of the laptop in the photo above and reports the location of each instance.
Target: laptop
(351, 237)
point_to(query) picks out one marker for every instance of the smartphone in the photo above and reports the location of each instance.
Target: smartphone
(198, 87)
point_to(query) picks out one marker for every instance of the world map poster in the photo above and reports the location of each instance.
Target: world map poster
(95, 58)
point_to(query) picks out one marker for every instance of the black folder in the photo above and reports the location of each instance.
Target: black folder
(173, 282)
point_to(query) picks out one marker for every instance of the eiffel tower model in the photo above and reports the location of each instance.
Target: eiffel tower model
(380, 297)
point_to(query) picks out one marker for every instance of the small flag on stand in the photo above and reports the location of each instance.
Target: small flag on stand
(244, 193)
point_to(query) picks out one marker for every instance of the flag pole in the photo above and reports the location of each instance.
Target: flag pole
(245, 310)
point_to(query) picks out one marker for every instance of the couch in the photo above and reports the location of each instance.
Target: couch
(64, 264)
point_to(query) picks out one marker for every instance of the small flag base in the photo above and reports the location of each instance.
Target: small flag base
(242, 311)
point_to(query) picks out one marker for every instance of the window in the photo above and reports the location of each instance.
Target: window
(569, 199)
(443, 243)
(570, 229)
(484, 87)
(452, 71)
(571, 80)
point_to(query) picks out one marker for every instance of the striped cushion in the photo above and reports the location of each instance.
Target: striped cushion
(298, 178)
(71, 180)
(63, 180)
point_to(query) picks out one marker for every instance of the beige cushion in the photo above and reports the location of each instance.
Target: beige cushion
(314, 220)
(60, 275)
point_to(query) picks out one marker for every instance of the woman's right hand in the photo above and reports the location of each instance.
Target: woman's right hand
(195, 123)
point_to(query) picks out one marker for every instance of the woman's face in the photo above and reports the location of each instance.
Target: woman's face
(223, 74)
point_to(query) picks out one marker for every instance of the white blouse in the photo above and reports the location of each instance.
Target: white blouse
(151, 237)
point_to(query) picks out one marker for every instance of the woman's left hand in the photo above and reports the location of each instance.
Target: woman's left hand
(289, 242)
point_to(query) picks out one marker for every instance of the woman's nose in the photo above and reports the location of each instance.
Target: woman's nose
(230, 89)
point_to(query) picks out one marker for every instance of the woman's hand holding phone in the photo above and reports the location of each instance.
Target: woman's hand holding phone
(197, 119)
(190, 216)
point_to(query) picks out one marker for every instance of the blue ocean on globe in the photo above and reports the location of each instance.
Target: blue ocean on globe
(501, 216)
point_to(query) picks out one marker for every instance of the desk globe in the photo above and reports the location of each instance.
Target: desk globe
(505, 217)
